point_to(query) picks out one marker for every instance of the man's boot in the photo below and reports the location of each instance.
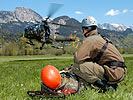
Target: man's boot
(102, 85)
(113, 87)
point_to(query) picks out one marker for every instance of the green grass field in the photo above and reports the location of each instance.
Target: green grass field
(22, 73)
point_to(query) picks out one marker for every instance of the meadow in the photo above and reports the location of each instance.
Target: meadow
(19, 74)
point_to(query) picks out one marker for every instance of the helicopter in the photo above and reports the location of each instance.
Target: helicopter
(42, 32)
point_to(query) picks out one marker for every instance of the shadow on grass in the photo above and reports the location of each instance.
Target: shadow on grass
(35, 60)
(46, 60)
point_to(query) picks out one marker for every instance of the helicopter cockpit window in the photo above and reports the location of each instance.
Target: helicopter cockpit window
(41, 28)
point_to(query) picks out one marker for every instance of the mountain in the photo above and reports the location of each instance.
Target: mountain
(115, 27)
(65, 20)
(23, 15)
(20, 17)
(131, 27)
(121, 38)
(15, 22)
(20, 14)
(110, 26)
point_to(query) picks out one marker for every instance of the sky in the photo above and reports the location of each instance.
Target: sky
(105, 11)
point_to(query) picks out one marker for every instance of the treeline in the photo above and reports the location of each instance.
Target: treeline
(18, 49)
(122, 40)
(15, 45)
(125, 50)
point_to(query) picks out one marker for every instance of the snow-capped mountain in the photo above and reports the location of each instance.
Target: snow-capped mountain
(131, 27)
(20, 14)
(16, 21)
(111, 26)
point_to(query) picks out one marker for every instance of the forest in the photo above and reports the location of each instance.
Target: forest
(15, 45)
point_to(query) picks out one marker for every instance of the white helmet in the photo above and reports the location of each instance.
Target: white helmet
(89, 21)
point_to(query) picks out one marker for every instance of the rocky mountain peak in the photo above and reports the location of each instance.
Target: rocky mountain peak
(20, 8)
(62, 17)
(65, 20)
(19, 14)
(112, 26)
(26, 15)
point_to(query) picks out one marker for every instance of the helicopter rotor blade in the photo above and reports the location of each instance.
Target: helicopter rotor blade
(69, 26)
(54, 8)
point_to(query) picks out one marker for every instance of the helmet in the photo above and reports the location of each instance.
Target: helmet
(51, 77)
(89, 21)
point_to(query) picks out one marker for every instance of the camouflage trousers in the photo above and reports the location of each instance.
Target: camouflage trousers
(88, 71)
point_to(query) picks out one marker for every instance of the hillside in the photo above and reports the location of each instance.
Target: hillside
(121, 39)
(14, 22)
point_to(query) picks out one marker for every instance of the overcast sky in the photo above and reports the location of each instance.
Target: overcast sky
(110, 11)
